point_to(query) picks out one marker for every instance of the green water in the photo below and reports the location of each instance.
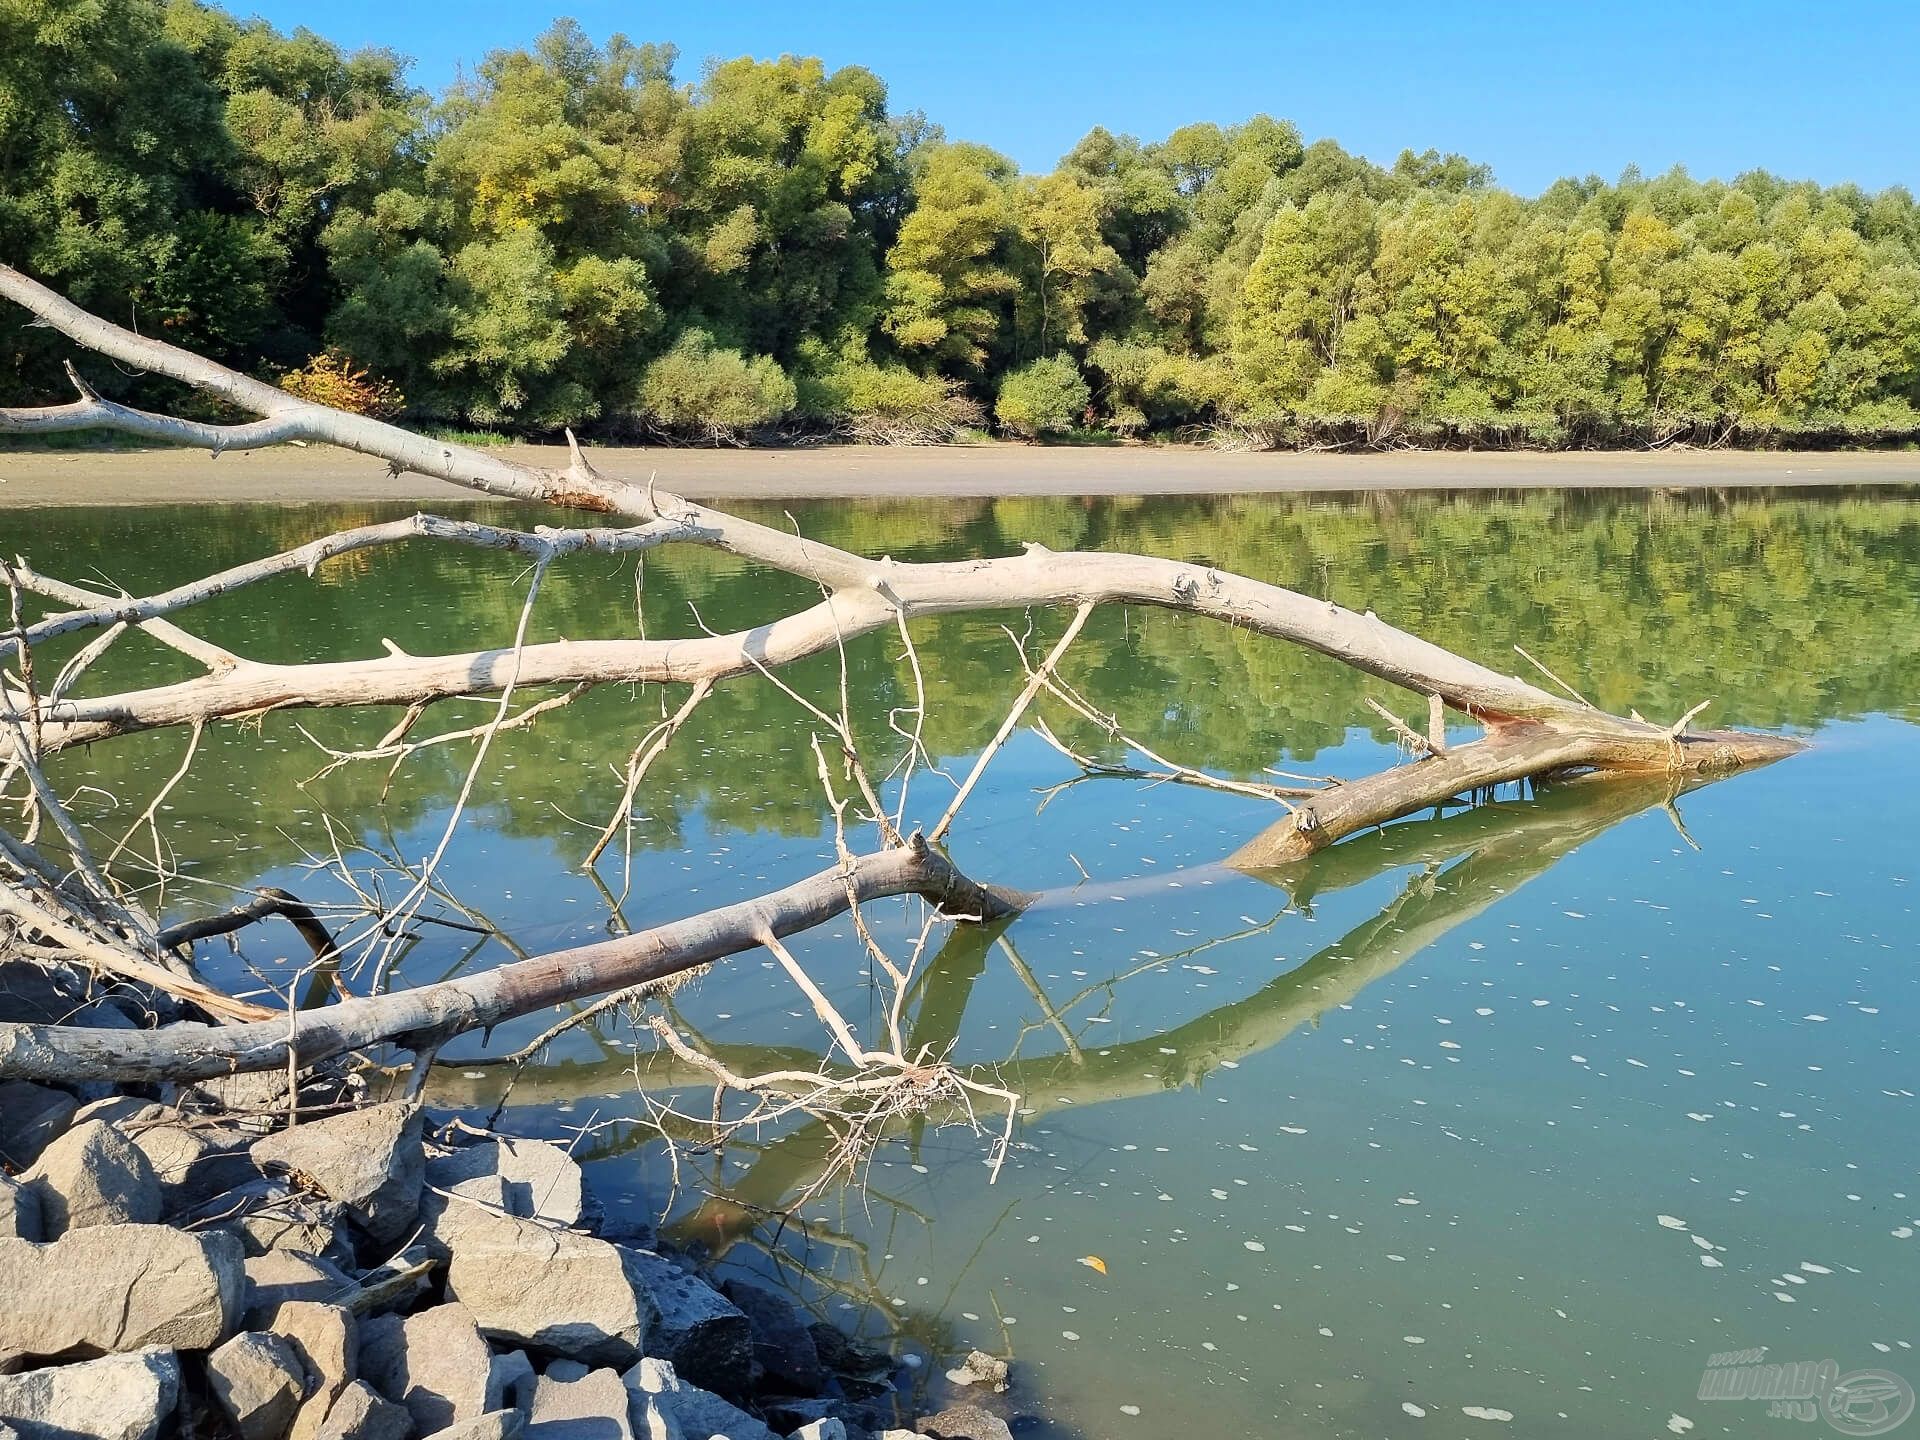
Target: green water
(1395, 1133)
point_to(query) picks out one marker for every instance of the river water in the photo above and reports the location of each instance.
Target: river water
(1502, 1121)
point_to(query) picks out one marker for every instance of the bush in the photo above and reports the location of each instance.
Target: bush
(698, 391)
(1046, 397)
(1150, 388)
(890, 405)
(330, 379)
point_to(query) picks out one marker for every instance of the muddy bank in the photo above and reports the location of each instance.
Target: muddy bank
(319, 474)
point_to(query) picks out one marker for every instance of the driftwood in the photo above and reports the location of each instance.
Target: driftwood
(424, 1018)
(1530, 732)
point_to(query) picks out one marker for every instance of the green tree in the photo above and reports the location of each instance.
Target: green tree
(1043, 397)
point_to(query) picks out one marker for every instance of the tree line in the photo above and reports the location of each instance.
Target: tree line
(573, 235)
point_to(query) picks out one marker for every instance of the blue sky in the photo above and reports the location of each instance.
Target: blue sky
(1828, 92)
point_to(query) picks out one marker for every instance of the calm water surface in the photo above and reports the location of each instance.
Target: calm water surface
(1518, 1112)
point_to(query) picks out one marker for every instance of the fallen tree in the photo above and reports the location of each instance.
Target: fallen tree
(86, 916)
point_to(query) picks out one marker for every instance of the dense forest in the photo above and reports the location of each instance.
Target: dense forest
(572, 235)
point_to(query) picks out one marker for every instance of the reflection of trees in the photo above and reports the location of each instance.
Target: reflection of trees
(1461, 864)
(1790, 611)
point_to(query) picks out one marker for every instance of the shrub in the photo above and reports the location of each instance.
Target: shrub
(329, 378)
(701, 392)
(1150, 388)
(1046, 397)
(890, 405)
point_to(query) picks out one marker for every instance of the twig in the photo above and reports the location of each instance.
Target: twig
(1036, 680)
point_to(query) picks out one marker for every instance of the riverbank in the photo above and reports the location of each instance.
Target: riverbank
(31, 479)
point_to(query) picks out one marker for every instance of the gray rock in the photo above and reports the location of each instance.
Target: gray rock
(980, 1368)
(326, 1341)
(531, 1284)
(539, 1179)
(650, 1420)
(93, 1175)
(511, 1377)
(31, 1116)
(788, 1414)
(433, 1362)
(700, 1414)
(269, 1215)
(120, 1397)
(704, 1334)
(282, 1275)
(568, 1370)
(194, 1165)
(368, 1160)
(495, 1425)
(965, 1422)
(113, 1288)
(360, 1414)
(593, 1407)
(653, 1376)
(117, 1110)
(829, 1428)
(259, 1382)
(783, 1345)
(19, 1211)
(647, 1384)
(665, 1407)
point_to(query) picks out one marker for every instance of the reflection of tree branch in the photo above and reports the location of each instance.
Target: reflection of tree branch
(1487, 853)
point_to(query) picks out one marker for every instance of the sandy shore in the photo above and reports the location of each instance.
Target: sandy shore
(30, 479)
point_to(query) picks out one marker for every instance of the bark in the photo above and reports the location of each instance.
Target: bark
(1514, 752)
(423, 1018)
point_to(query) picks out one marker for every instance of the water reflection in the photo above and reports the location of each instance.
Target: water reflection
(1538, 1025)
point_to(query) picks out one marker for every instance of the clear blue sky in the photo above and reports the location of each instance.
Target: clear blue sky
(1810, 90)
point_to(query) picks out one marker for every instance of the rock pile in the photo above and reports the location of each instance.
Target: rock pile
(364, 1276)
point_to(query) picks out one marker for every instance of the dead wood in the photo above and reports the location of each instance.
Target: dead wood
(422, 1019)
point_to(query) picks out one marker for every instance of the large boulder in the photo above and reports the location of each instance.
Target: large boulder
(535, 1285)
(19, 1211)
(113, 1288)
(31, 1116)
(434, 1362)
(259, 1382)
(538, 1180)
(591, 1407)
(93, 1175)
(120, 1397)
(326, 1342)
(705, 1335)
(361, 1414)
(368, 1160)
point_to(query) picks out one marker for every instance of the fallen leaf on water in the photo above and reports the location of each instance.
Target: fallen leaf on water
(1094, 1262)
